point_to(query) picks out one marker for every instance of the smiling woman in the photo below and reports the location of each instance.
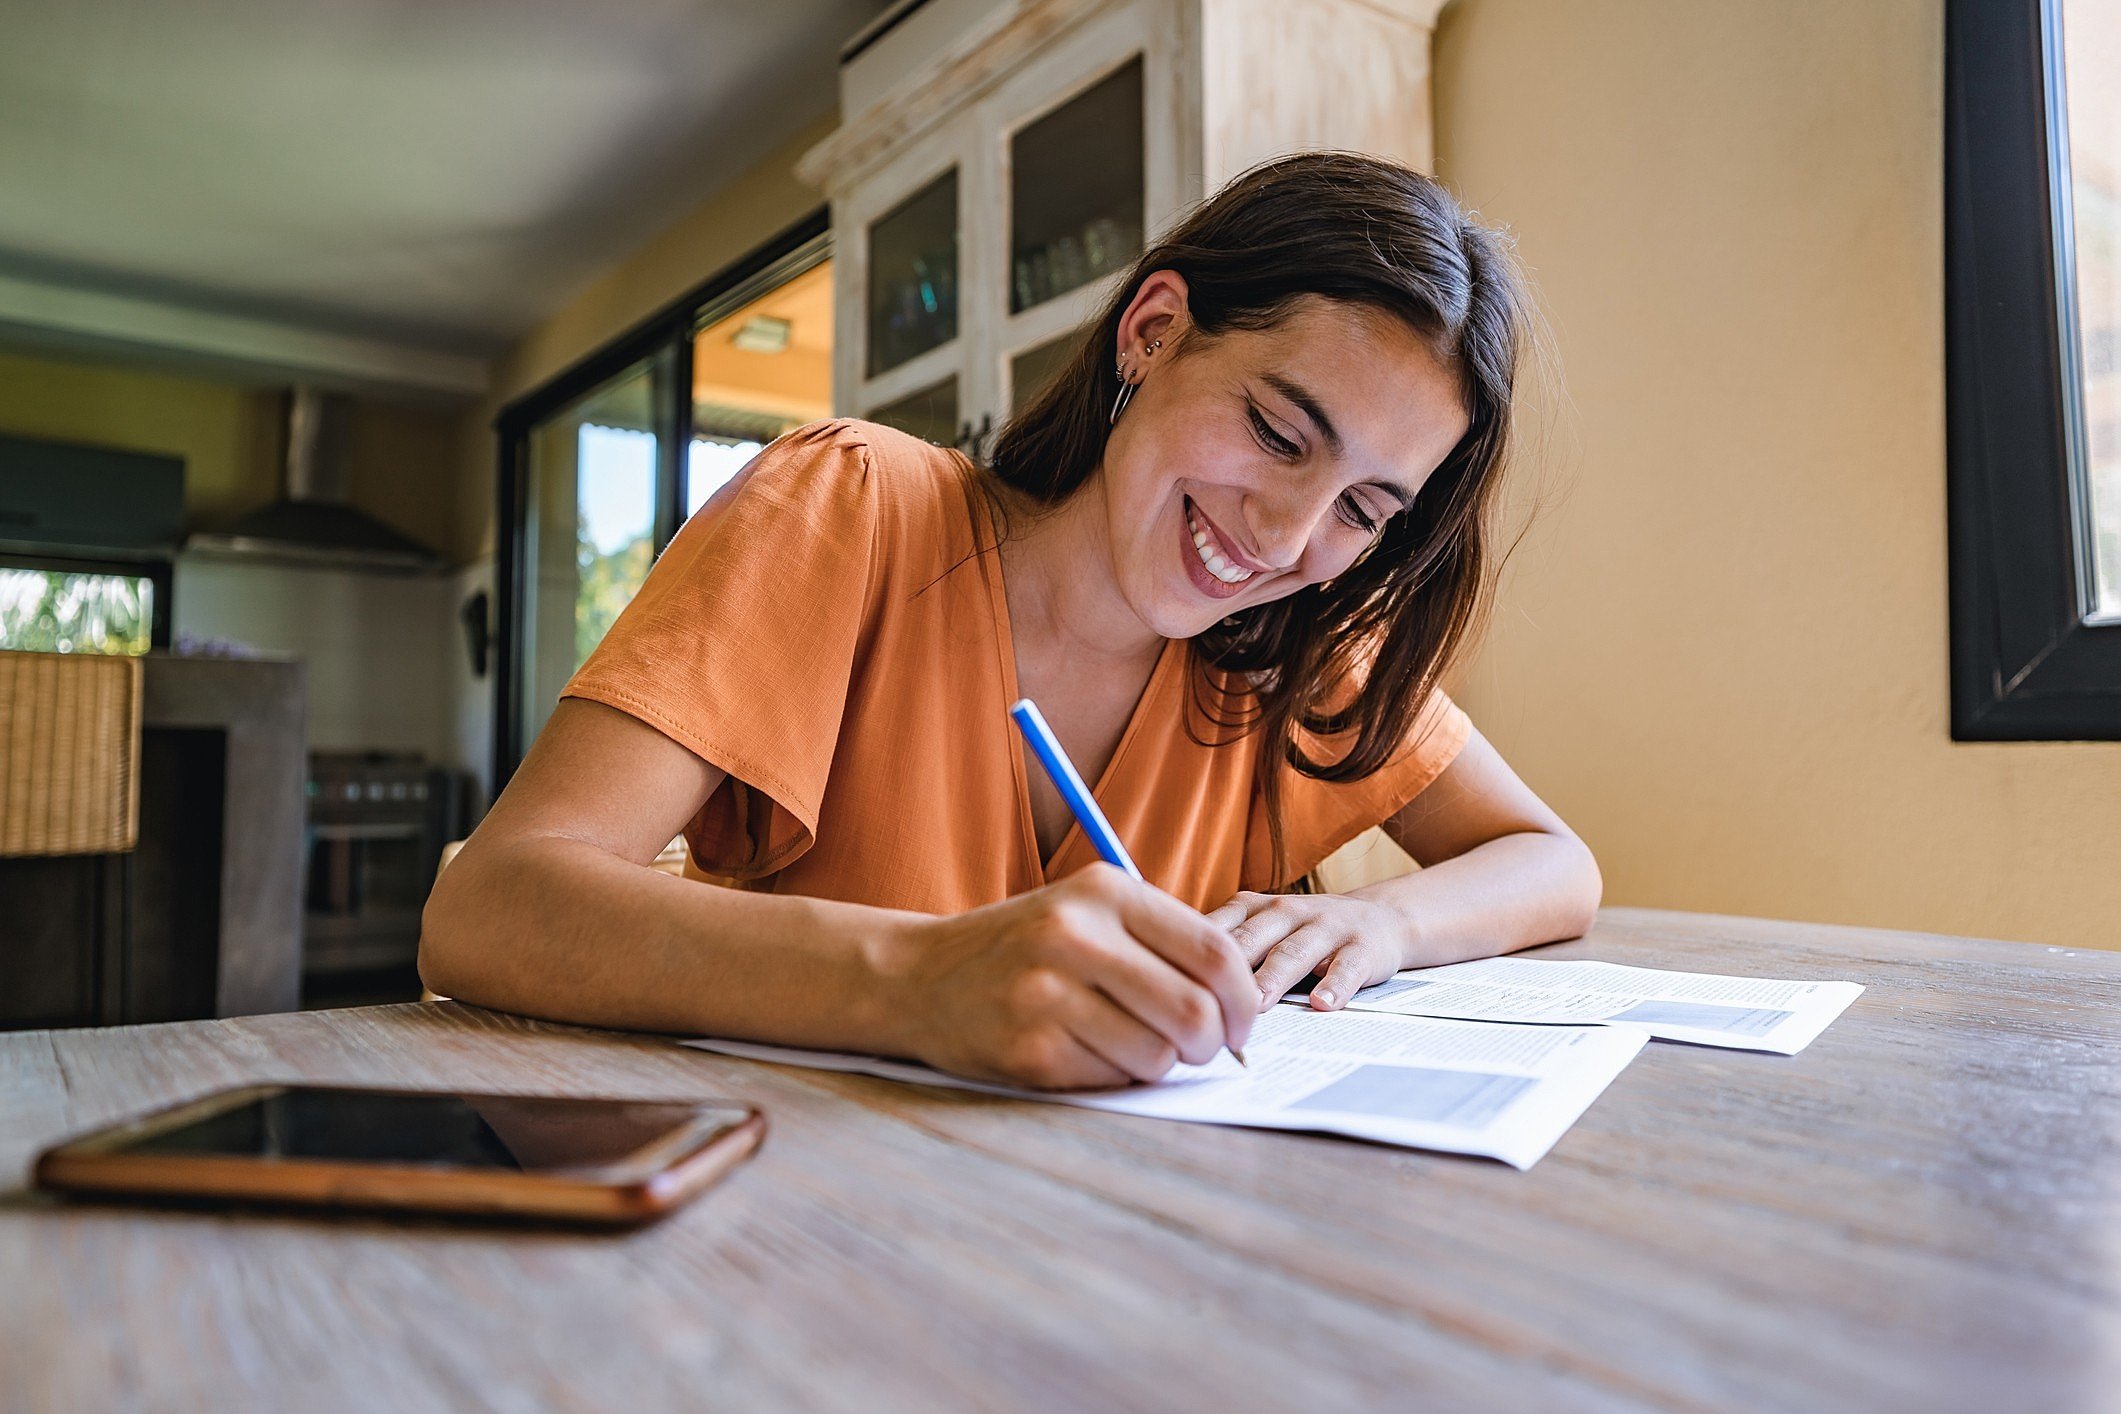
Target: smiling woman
(1325, 277)
(1230, 551)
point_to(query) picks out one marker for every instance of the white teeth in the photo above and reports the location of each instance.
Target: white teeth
(1218, 566)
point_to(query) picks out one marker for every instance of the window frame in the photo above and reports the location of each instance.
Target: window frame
(2031, 659)
(670, 329)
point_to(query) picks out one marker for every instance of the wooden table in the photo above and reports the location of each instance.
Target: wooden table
(1921, 1211)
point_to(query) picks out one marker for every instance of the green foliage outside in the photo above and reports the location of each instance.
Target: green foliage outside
(605, 583)
(44, 611)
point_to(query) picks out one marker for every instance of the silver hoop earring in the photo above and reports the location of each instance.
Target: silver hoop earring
(1126, 394)
(1126, 389)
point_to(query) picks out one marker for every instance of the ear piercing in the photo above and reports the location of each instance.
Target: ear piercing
(1126, 389)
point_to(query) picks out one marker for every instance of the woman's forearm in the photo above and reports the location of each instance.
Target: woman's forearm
(1512, 892)
(556, 928)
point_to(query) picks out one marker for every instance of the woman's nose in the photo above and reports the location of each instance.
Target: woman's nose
(1282, 525)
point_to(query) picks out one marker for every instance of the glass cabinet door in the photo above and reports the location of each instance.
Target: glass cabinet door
(988, 239)
(912, 297)
(1075, 188)
(929, 413)
(1031, 370)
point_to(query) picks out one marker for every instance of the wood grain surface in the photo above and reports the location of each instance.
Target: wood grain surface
(1921, 1211)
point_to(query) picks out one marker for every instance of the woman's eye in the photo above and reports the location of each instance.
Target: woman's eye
(1268, 438)
(1355, 514)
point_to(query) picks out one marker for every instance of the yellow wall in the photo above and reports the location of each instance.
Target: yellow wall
(403, 466)
(1723, 655)
(218, 429)
(402, 459)
(726, 225)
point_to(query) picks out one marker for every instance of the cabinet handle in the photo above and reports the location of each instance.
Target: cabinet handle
(977, 443)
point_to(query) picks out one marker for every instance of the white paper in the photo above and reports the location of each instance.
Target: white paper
(1506, 1092)
(1742, 1013)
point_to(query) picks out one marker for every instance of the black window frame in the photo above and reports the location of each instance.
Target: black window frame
(670, 329)
(2031, 660)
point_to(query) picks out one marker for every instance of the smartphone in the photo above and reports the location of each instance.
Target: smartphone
(610, 1161)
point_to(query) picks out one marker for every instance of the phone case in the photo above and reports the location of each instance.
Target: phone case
(92, 1165)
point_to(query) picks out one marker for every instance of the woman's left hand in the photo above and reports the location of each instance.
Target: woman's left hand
(1286, 937)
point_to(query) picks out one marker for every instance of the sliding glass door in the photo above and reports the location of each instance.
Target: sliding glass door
(601, 466)
(589, 524)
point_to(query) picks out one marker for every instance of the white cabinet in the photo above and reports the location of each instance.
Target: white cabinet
(1010, 156)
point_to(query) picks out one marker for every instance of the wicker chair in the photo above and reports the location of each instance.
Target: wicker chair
(69, 754)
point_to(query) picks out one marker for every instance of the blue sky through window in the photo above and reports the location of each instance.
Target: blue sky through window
(615, 486)
(615, 490)
(710, 467)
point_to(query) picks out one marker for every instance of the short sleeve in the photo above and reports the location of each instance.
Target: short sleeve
(1318, 817)
(741, 643)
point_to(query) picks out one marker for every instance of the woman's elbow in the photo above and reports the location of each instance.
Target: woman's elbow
(450, 935)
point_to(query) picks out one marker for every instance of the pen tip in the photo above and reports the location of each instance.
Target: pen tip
(1240, 1058)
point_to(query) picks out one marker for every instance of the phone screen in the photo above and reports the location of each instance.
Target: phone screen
(527, 1134)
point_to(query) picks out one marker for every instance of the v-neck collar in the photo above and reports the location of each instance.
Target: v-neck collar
(1073, 841)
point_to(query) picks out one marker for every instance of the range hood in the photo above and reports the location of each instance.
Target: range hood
(311, 524)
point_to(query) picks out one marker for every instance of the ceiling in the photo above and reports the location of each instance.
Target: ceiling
(437, 175)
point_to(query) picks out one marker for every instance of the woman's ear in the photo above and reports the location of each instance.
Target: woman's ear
(1156, 313)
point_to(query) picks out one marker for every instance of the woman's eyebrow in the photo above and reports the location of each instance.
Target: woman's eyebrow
(1295, 393)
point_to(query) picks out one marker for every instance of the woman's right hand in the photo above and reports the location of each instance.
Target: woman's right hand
(1095, 981)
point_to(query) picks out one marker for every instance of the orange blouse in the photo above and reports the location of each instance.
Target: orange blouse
(828, 631)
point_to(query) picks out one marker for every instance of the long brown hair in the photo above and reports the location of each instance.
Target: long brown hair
(1374, 235)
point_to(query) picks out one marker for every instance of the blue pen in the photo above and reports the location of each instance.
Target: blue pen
(1081, 804)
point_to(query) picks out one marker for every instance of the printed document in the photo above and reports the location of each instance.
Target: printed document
(1506, 1092)
(1743, 1013)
